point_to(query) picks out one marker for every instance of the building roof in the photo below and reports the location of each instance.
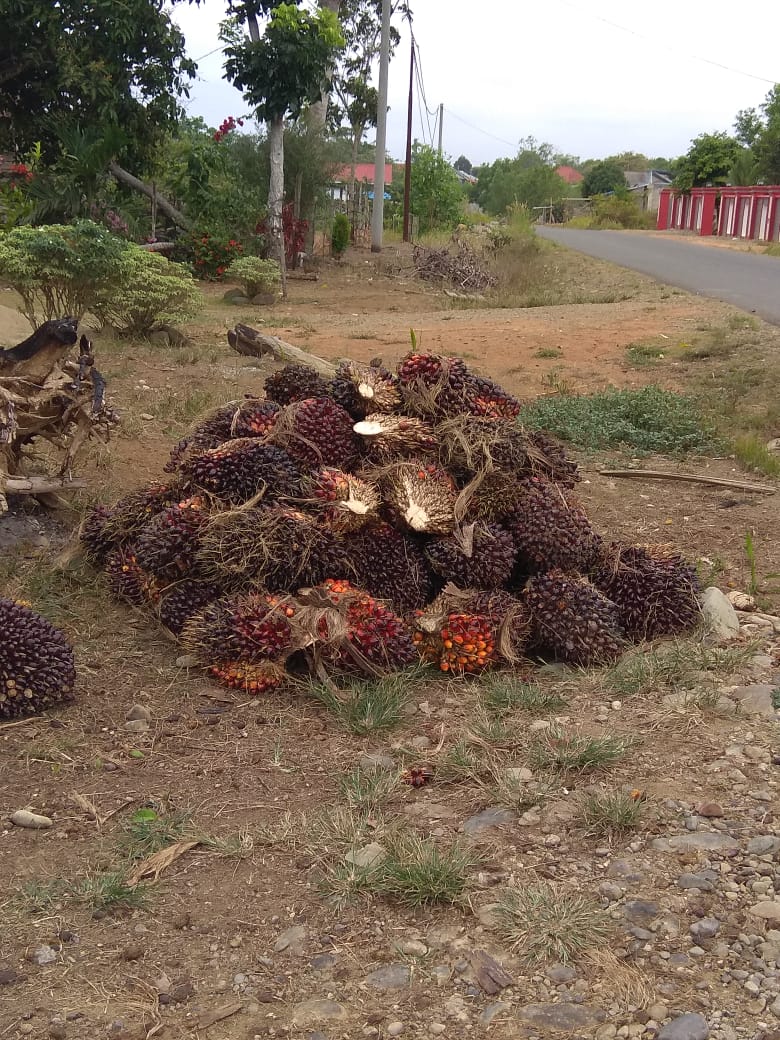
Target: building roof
(363, 172)
(569, 174)
(648, 178)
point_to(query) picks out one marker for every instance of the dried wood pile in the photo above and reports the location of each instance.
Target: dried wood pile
(48, 392)
(464, 269)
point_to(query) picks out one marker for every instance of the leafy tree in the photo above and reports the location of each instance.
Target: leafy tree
(602, 178)
(89, 63)
(744, 170)
(748, 126)
(630, 161)
(436, 195)
(767, 145)
(463, 164)
(529, 178)
(708, 161)
(280, 72)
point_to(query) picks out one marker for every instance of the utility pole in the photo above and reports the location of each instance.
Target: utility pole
(408, 164)
(378, 214)
(441, 125)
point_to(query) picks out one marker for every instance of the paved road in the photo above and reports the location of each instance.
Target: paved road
(748, 280)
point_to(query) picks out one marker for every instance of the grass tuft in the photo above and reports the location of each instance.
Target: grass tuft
(648, 419)
(752, 452)
(110, 891)
(673, 665)
(146, 832)
(611, 813)
(367, 789)
(544, 923)
(367, 705)
(501, 693)
(420, 872)
(569, 753)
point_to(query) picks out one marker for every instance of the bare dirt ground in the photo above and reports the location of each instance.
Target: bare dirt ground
(244, 925)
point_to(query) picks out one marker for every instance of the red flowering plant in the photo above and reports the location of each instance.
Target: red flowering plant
(210, 253)
(16, 203)
(227, 126)
(294, 231)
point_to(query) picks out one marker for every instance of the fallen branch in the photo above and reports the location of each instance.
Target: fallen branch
(41, 485)
(694, 478)
(251, 343)
(163, 205)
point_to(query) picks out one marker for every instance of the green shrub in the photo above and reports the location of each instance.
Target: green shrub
(619, 211)
(209, 252)
(60, 270)
(649, 419)
(254, 275)
(339, 236)
(152, 291)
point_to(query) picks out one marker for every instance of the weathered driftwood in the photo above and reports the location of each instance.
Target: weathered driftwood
(170, 211)
(251, 343)
(693, 478)
(47, 395)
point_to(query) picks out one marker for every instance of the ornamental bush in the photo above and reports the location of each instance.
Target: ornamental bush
(254, 275)
(152, 292)
(60, 270)
(339, 236)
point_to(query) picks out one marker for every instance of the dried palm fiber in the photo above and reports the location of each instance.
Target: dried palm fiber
(252, 677)
(178, 602)
(421, 496)
(128, 581)
(317, 432)
(362, 389)
(390, 566)
(655, 590)
(476, 555)
(349, 502)
(242, 469)
(573, 620)
(489, 496)
(253, 417)
(37, 669)
(502, 624)
(552, 460)
(373, 640)
(390, 436)
(133, 511)
(551, 531)
(275, 546)
(294, 383)
(166, 547)
(251, 626)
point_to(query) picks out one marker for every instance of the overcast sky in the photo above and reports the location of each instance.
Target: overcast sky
(556, 70)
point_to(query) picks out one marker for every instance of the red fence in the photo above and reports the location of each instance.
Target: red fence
(734, 212)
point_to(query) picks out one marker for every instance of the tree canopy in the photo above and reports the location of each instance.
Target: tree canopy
(708, 161)
(436, 197)
(529, 178)
(602, 178)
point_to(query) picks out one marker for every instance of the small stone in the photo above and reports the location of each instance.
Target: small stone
(376, 762)
(713, 841)
(421, 743)
(538, 725)
(685, 1027)
(323, 961)
(518, 774)
(395, 1028)
(711, 810)
(641, 910)
(610, 892)
(699, 882)
(487, 820)
(755, 699)
(291, 940)
(390, 976)
(493, 1011)
(763, 844)
(312, 1012)
(605, 1032)
(186, 661)
(706, 928)
(658, 1012)
(32, 821)
(133, 952)
(767, 910)
(57, 1029)
(8, 976)
(414, 948)
(42, 955)
(437, 1028)
(139, 712)
(719, 615)
(561, 973)
(137, 726)
(368, 856)
(564, 1018)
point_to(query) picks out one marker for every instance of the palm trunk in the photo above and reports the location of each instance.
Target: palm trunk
(276, 194)
(357, 137)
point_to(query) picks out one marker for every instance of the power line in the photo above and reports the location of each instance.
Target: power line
(208, 54)
(658, 42)
(503, 140)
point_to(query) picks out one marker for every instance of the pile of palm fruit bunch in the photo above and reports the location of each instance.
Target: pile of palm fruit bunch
(371, 521)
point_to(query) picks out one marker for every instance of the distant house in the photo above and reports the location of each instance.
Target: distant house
(465, 178)
(569, 174)
(364, 176)
(647, 185)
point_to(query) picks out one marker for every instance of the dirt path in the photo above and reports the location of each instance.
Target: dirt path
(677, 913)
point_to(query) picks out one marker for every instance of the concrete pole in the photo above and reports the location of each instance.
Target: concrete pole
(378, 215)
(441, 126)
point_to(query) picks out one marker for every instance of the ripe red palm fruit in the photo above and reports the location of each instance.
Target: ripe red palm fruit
(128, 581)
(166, 547)
(317, 432)
(390, 566)
(294, 383)
(251, 677)
(240, 469)
(37, 669)
(252, 626)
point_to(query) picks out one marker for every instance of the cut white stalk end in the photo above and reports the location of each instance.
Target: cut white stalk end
(368, 429)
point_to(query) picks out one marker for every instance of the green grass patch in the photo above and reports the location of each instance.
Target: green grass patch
(643, 354)
(502, 692)
(648, 419)
(563, 752)
(752, 453)
(545, 923)
(611, 813)
(367, 705)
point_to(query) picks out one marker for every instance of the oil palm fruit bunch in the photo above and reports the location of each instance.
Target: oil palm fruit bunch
(421, 496)
(37, 669)
(464, 644)
(390, 436)
(128, 580)
(127, 518)
(243, 468)
(469, 630)
(433, 386)
(655, 590)
(209, 432)
(178, 602)
(550, 531)
(374, 640)
(573, 620)
(479, 556)
(362, 389)
(294, 383)
(317, 432)
(349, 501)
(487, 398)
(278, 547)
(391, 566)
(251, 677)
(549, 459)
(96, 541)
(251, 626)
(166, 547)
